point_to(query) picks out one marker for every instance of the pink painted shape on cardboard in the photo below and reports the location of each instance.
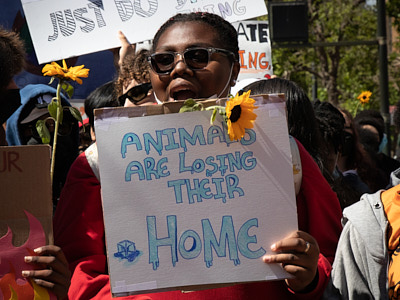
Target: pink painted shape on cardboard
(15, 255)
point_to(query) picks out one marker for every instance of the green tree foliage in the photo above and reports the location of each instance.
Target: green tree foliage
(341, 72)
(393, 11)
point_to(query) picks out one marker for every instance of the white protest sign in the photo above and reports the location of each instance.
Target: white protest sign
(184, 206)
(62, 29)
(254, 49)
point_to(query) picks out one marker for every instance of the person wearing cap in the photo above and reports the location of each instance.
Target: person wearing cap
(21, 129)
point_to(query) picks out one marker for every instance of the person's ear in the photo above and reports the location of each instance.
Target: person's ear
(92, 134)
(235, 73)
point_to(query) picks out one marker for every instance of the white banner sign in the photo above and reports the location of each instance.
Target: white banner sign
(184, 206)
(254, 49)
(62, 29)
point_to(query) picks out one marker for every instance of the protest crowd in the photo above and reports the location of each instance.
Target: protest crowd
(347, 240)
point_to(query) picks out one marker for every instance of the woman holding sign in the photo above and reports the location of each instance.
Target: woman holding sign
(196, 56)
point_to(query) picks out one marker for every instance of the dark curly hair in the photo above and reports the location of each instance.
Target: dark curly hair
(371, 117)
(331, 123)
(134, 66)
(226, 32)
(12, 56)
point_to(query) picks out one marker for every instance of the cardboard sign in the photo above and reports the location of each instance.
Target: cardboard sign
(25, 215)
(62, 29)
(254, 49)
(25, 186)
(186, 208)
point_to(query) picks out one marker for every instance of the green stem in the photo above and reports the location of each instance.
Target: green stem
(355, 112)
(59, 108)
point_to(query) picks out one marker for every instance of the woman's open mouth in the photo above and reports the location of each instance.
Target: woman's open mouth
(183, 94)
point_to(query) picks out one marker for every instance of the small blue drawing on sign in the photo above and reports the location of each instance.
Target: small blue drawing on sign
(127, 250)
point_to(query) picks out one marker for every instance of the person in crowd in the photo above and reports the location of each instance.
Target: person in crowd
(371, 130)
(367, 265)
(51, 267)
(133, 86)
(186, 63)
(103, 96)
(302, 123)
(396, 120)
(12, 62)
(331, 124)
(21, 130)
(317, 133)
(353, 160)
(85, 138)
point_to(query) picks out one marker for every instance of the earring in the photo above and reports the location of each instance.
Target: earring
(233, 82)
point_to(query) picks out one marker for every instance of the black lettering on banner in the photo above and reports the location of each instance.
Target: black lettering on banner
(125, 9)
(253, 30)
(67, 26)
(242, 31)
(153, 5)
(263, 33)
(55, 28)
(96, 5)
(89, 24)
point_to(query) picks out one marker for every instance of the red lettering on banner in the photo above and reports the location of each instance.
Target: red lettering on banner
(8, 160)
(257, 60)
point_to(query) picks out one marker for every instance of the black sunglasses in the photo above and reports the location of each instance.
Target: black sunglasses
(64, 129)
(135, 94)
(195, 58)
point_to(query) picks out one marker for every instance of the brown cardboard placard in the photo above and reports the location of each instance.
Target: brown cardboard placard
(25, 216)
(25, 186)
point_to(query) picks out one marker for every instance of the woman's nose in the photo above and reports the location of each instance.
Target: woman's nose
(180, 66)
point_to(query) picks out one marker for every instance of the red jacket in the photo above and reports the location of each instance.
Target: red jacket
(79, 231)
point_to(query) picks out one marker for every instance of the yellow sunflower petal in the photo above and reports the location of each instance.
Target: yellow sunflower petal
(65, 73)
(82, 73)
(52, 69)
(364, 97)
(235, 132)
(78, 80)
(244, 117)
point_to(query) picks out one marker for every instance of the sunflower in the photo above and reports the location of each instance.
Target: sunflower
(240, 115)
(65, 73)
(364, 97)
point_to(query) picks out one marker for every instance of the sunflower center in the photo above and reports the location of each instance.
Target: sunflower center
(235, 113)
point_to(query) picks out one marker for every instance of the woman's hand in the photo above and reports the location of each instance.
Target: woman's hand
(53, 274)
(125, 49)
(298, 253)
